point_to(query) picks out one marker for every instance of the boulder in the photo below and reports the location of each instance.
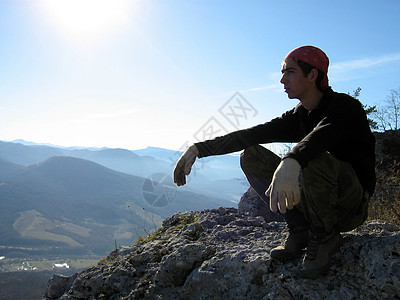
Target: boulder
(252, 204)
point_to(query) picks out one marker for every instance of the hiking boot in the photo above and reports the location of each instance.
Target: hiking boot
(319, 253)
(293, 246)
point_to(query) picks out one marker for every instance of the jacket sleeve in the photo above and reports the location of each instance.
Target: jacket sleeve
(282, 129)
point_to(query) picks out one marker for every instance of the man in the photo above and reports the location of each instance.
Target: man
(323, 185)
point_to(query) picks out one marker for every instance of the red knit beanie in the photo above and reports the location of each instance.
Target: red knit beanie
(315, 57)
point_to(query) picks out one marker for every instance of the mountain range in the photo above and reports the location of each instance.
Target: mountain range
(82, 200)
(218, 176)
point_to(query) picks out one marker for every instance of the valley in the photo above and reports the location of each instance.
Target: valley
(67, 202)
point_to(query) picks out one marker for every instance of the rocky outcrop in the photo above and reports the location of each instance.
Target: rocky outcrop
(224, 254)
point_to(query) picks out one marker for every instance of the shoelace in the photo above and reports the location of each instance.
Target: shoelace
(312, 248)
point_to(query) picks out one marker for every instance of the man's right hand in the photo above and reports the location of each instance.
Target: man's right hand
(284, 190)
(184, 165)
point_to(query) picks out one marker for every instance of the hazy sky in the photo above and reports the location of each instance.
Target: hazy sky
(163, 73)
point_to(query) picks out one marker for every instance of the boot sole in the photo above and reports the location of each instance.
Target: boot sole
(287, 257)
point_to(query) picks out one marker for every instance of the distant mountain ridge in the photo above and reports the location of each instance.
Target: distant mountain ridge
(76, 174)
(8, 168)
(26, 155)
(144, 162)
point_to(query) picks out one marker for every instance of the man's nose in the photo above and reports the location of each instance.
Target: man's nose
(283, 78)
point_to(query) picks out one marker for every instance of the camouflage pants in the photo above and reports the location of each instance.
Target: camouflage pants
(331, 195)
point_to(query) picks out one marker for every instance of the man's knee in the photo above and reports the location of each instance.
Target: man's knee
(256, 155)
(251, 153)
(259, 162)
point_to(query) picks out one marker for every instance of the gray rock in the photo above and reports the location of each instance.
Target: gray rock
(57, 285)
(224, 254)
(252, 204)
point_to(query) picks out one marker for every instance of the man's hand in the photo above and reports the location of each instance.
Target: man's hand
(284, 190)
(184, 165)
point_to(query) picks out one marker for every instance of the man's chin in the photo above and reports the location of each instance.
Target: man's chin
(291, 96)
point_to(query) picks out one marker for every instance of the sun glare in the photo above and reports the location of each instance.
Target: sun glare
(88, 19)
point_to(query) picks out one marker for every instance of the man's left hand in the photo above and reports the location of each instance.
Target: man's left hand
(184, 165)
(284, 191)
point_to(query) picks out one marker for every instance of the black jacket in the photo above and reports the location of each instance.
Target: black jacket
(338, 125)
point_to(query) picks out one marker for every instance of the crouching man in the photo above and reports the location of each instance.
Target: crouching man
(322, 186)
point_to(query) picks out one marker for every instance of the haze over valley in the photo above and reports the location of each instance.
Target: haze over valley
(84, 202)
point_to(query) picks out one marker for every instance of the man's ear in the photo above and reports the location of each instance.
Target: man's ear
(312, 76)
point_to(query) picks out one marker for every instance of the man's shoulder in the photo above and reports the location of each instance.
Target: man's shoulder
(342, 98)
(338, 95)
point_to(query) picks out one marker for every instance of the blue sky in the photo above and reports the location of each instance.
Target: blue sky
(132, 74)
